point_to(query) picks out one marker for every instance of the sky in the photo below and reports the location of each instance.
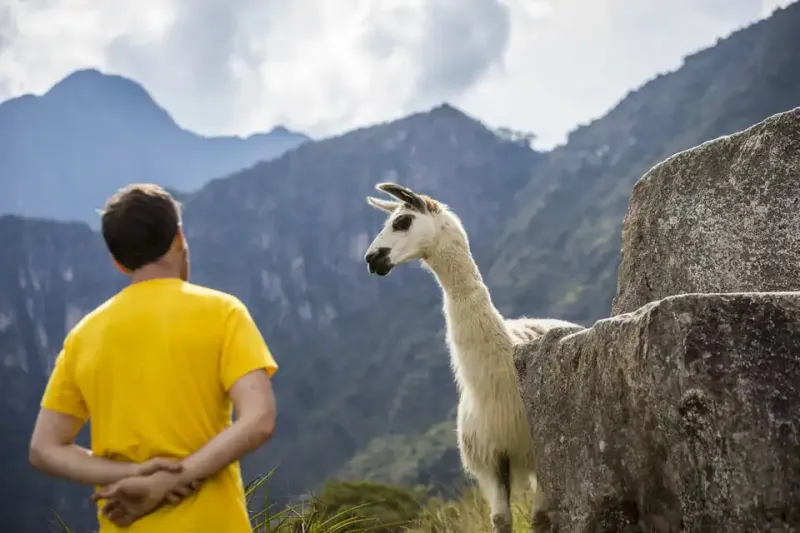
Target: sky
(325, 67)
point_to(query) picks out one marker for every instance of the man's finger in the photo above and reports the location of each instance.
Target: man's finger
(106, 493)
(173, 497)
(111, 506)
(182, 490)
(115, 513)
(120, 518)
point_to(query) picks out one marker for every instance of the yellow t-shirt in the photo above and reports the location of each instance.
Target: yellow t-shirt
(151, 367)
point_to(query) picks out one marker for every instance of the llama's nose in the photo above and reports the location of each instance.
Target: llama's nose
(375, 255)
(378, 261)
(371, 255)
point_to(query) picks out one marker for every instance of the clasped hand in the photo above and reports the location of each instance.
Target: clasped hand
(155, 483)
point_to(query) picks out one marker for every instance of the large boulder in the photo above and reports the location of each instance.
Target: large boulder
(682, 416)
(721, 217)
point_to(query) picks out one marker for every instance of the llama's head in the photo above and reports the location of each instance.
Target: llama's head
(411, 231)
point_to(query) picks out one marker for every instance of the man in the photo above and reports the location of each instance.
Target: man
(158, 368)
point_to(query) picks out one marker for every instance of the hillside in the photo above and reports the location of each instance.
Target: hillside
(364, 370)
(100, 132)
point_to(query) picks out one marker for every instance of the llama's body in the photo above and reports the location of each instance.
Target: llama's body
(494, 436)
(526, 329)
(491, 416)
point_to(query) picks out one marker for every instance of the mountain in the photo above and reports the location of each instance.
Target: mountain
(63, 153)
(365, 388)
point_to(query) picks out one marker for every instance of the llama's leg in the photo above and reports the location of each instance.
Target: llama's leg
(495, 484)
(534, 483)
(540, 518)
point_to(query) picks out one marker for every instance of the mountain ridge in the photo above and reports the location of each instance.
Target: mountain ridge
(102, 131)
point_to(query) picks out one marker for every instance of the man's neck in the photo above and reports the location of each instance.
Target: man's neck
(151, 272)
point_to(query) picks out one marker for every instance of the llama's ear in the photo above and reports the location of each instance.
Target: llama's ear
(404, 194)
(384, 205)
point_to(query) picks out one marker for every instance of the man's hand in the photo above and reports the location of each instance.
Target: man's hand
(134, 497)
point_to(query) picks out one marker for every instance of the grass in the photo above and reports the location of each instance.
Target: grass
(469, 514)
(362, 507)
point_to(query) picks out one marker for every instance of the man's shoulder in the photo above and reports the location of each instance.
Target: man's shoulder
(214, 296)
(92, 317)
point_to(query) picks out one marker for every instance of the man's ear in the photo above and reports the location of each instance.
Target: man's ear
(383, 205)
(405, 195)
(179, 242)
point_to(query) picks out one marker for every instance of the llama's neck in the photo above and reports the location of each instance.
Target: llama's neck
(457, 273)
(480, 345)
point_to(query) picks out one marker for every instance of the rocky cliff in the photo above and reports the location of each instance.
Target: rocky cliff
(684, 413)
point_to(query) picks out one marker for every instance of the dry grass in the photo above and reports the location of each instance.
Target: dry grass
(470, 514)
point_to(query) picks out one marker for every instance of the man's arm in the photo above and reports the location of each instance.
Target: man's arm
(63, 413)
(246, 366)
(53, 450)
(254, 404)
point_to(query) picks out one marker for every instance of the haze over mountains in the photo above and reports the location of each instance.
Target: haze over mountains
(365, 389)
(64, 152)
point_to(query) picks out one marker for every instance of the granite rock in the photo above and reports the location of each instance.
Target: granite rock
(721, 217)
(681, 416)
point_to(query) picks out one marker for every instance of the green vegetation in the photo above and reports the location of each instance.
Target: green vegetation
(430, 459)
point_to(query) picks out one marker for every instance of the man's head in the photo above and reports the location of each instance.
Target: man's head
(142, 226)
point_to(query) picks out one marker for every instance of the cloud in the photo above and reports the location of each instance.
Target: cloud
(325, 67)
(314, 64)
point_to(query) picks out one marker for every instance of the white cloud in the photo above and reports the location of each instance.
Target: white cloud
(314, 64)
(324, 67)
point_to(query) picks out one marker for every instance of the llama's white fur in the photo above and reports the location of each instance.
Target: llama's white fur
(491, 418)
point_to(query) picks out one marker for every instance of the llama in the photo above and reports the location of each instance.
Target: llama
(494, 437)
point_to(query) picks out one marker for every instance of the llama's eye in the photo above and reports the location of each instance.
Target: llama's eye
(402, 223)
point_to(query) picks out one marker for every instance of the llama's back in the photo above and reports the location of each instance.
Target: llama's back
(525, 329)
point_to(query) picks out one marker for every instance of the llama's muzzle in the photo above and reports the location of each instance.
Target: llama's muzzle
(378, 261)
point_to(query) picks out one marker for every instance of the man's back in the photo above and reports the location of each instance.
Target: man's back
(151, 367)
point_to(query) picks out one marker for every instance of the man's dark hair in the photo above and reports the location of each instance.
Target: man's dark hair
(139, 223)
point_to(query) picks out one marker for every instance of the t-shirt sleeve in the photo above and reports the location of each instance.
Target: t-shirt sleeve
(243, 347)
(62, 393)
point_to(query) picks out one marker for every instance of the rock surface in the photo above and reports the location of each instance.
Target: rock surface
(721, 217)
(682, 416)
